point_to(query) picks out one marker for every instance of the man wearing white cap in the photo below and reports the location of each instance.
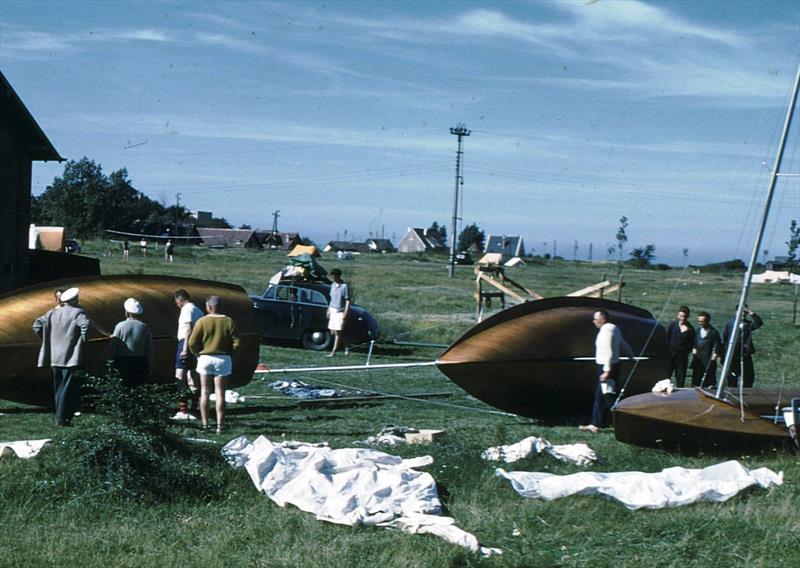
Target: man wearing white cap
(132, 345)
(63, 332)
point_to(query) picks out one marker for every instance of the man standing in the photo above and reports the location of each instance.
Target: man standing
(132, 346)
(742, 364)
(214, 340)
(681, 339)
(338, 308)
(608, 343)
(185, 363)
(706, 349)
(168, 250)
(63, 331)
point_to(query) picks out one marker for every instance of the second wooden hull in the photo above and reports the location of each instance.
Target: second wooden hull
(536, 359)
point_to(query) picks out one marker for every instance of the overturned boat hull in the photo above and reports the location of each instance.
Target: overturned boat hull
(694, 420)
(102, 298)
(537, 359)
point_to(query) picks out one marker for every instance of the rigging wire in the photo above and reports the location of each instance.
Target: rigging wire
(420, 400)
(652, 331)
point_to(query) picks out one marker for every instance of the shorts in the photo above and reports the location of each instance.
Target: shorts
(189, 363)
(217, 365)
(335, 320)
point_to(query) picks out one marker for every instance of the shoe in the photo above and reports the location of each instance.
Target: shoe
(589, 428)
(219, 429)
(330, 354)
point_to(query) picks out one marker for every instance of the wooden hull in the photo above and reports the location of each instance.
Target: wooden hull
(523, 359)
(693, 420)
(102, 297)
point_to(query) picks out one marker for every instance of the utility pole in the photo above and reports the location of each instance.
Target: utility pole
(460, 130)
(275, 215)
(177, 209)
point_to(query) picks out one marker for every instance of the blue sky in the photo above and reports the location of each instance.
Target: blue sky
(338, 113)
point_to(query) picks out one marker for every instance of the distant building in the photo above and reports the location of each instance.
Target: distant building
(344, 246)
(202, 217)
(229, 238)
(777, 263)
(278, 241)
(379, 245)
(509, 247)
(418, 240)
(22, 142)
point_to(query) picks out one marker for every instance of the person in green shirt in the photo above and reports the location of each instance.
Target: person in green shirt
(213, 341)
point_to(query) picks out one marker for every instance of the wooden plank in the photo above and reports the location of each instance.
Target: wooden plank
(499, 286)
(591, 289)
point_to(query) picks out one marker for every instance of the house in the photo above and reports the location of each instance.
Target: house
(418, 240)
(344, 246)
(277, 240)
(229, 238)
(509, 246)
(379, 245)
(22, 142)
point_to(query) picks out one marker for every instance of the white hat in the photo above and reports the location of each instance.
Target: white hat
(132, 306)
(69, 294)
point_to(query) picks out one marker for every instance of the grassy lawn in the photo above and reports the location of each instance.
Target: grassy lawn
(71, 521)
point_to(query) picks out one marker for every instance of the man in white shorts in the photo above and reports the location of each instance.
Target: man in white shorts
(338, 308)
(185, 363)
(214, 340)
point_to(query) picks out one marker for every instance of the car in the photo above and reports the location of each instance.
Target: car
(464, 257)
(72, 246)
(298, 311)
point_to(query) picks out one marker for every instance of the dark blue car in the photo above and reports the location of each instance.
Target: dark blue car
(298, 311)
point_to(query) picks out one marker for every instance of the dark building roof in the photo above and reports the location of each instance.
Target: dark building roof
(23, 126)
(228, 237)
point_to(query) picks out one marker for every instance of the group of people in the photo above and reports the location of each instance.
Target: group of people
(707, 347)
(203, 359)
(169, 249)
(704, 344)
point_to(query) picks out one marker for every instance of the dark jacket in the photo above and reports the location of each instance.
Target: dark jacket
(706, 346)
(680, 342)
(746, 339)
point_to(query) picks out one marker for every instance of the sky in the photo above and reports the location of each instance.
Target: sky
(338, 114)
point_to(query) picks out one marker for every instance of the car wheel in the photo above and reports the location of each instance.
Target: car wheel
(317, 340)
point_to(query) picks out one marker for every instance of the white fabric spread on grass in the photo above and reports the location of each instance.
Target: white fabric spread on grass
(23, 449)
(579, 454)
(671, 487)
(349, 486)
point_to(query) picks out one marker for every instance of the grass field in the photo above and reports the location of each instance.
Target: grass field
(50, 518)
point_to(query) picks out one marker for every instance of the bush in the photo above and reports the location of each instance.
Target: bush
(127, 450)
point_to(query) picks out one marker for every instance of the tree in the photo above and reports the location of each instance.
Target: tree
(438, 232)
(643, 257)
(471, 235)
(792, 245)
(622, 236)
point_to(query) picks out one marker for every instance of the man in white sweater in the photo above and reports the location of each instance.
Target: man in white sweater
(608, 344)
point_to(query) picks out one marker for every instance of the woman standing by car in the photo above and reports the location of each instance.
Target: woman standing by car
(338, 308)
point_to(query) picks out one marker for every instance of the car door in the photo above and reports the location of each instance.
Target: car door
(314, 309)
(274, 313)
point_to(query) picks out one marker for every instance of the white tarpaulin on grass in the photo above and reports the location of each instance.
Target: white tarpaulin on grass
(579, 454)
(23, 449)
(671, 487)
(349, 486)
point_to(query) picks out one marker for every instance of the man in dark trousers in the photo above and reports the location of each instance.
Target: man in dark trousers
(608, 346)
(63, 331)
(706, 350)
(681, 338)
(742, 364)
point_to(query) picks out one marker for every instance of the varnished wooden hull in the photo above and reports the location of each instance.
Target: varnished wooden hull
(102, 297)
(523, 360)
(692, 420)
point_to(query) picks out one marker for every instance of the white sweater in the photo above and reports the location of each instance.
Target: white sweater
(607, 345)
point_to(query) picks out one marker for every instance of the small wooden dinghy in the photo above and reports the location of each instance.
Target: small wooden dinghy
(102, 298)
(537, 359)
(692, 420)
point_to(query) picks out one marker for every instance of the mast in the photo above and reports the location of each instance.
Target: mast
(726, 366)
